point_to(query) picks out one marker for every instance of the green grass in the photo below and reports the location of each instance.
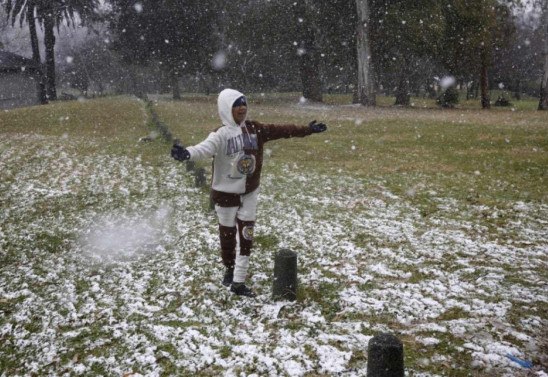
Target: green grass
(499, 153)
(470, 157)
(494, 155)
(105, 125)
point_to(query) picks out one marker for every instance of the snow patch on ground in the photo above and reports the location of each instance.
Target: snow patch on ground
(111, 266)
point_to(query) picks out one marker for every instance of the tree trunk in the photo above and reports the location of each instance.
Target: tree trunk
(543, 102)
(136, 82)
(165, 80)
(484, 85)
(310, 78)
(517, 90)
(402, 91)
(41, 84)
(402, 97)
(469, 90)
(175, 84)
(49, 42)
(365, 91)
(430, 90)
(309, 62)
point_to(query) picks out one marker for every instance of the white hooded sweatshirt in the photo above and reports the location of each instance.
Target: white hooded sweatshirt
(226, 177)
(238, 150)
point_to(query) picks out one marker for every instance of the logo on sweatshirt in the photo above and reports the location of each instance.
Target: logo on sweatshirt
(246, 164)
(241, 142)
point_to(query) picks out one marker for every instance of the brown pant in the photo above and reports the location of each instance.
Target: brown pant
(245, 232)
(227, 236)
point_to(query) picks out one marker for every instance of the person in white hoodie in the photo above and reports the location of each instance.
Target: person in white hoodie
(237, 149)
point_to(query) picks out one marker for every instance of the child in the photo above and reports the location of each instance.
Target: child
(237, 148)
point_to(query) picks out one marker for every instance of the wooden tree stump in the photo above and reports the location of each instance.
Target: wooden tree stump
(200, 178)
(385, 356)
(285, 276)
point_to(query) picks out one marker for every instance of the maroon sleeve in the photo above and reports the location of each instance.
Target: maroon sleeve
(281, 131)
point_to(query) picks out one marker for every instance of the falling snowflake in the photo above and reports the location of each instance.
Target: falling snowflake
(219, 60)
(447, 81)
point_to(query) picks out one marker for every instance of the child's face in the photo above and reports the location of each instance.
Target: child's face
(239, 113)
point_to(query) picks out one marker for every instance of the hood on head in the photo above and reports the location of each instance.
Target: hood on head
(224, 103)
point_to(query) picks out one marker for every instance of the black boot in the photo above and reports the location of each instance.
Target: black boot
(240, 289)
(229, 275)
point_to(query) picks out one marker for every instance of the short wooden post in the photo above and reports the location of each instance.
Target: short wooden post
(211, 203)
(385, 356)
(200, 178)
(190, 165)
(285, 276)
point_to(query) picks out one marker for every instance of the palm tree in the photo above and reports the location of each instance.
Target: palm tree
(50, 14)
(42, 95)
(17, 8)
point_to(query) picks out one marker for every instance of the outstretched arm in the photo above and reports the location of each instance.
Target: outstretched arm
(205, 149)
(273, 132)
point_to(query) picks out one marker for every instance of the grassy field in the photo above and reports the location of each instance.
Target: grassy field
(427, 223)
(501, 154)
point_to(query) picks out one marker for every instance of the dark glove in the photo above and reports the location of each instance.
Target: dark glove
(179, 152)
(317, 127)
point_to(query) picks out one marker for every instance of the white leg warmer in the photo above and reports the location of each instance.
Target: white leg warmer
(240, 268)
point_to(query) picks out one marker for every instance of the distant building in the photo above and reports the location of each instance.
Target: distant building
(18, 80)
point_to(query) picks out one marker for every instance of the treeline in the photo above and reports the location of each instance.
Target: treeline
(398, 48)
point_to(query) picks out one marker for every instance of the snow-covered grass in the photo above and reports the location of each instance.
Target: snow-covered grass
(110, 265)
